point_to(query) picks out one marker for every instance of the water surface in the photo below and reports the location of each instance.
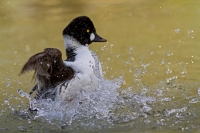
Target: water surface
(154, 44)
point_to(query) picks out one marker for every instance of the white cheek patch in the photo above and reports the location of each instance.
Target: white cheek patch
(92, 36)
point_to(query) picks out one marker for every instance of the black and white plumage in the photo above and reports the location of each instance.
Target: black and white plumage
(63, 80)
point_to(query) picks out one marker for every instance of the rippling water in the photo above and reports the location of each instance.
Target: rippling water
(154, 44)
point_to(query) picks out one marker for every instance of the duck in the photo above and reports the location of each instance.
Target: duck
(59, 79)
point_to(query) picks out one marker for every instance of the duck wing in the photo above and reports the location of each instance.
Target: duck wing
(49, 69)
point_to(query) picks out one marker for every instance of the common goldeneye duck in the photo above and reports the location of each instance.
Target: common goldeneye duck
(80, 72)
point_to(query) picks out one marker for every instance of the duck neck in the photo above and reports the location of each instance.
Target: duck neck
(71, 46)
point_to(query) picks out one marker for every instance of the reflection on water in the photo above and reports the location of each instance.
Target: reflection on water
(154, 44)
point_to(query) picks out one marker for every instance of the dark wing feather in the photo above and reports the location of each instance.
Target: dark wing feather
(31, 63)
(49, 68)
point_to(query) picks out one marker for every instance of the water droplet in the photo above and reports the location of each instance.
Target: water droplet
(163, 61)
(132, 58)
(131, 48)
(19, 82)
(127, 62)
(168, 70)
(199, 91)
(124, 82)
(22, 129)
(8, 84)
(27, 48)
(177, 30)
(6, 102)
(145, 90)
(194, 100)
(117, 55)
(137, 72)
(29, 121)
(159, 92)
(168, 54)
(147, 121)
(167, 99)
(111, 45)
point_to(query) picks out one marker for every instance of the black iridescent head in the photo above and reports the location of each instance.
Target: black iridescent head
(83, 30)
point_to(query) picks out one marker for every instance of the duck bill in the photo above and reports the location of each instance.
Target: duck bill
(98, 38)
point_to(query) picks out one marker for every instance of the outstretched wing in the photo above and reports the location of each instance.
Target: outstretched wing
(49, 68)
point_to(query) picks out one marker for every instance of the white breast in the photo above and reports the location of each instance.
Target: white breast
(84, 62)
(84, 79)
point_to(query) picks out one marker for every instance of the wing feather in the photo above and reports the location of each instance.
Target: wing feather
(49, 68)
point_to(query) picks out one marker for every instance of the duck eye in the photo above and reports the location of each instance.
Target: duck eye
(88, 30)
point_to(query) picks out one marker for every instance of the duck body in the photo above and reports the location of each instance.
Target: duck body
(80, 72)
(83, 66)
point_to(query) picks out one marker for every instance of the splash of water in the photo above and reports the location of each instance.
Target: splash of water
(99, 108)
(96, 104)
(108, 105)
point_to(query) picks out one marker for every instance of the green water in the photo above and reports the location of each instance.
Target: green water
(163, 35)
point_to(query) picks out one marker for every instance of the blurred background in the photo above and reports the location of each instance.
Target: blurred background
(152, 43)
